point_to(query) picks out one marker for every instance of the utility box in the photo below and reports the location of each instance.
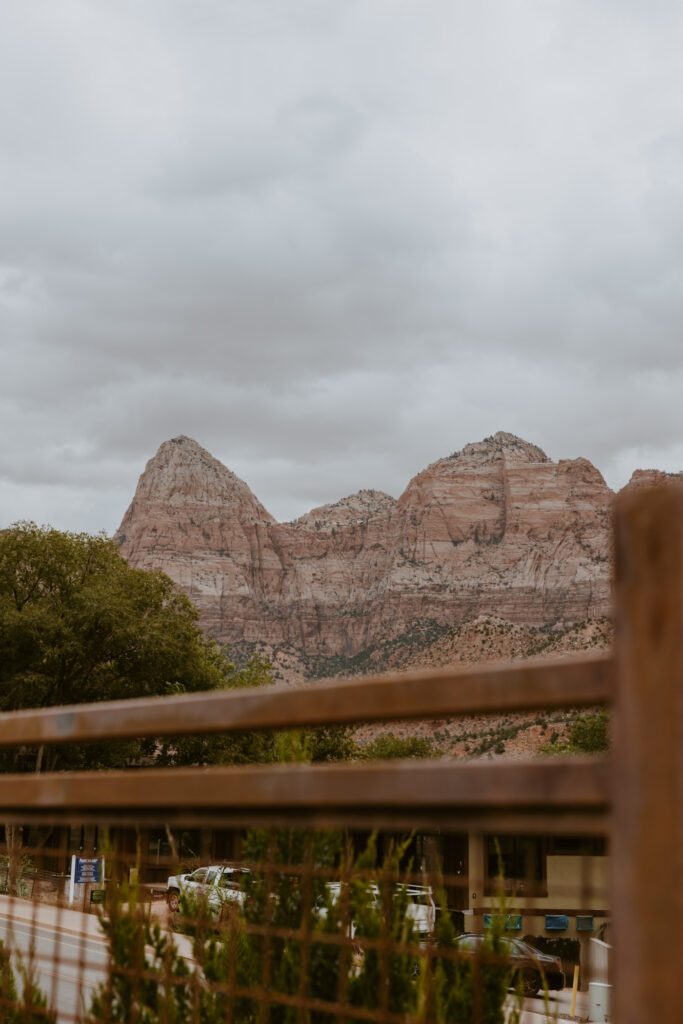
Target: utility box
(599, 1001)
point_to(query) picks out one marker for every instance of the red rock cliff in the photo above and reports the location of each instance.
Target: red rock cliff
(496, 528)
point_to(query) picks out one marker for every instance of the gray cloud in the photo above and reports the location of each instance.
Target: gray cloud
(334, 242)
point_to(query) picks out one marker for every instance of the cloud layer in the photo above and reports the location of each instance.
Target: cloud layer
(334, 242)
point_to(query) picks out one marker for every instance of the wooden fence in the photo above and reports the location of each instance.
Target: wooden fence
(634, 796)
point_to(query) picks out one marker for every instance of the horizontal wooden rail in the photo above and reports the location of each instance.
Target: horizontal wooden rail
(556, 784)
(578, 681)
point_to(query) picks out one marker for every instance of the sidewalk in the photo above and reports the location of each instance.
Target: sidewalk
(45, 915)
(559, 1005)
(73, 922)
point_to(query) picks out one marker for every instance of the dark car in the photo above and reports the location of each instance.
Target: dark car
(533, 969)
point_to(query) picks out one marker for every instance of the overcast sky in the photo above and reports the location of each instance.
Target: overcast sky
(334, 240)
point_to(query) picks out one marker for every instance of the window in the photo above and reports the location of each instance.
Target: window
(159, 848)
(521, 867)
(578, 846)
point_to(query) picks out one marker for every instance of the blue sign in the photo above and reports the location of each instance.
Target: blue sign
(87, 870)
(556, 922)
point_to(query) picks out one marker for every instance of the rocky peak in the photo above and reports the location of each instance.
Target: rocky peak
(182, 472)
(476, 476)
(502, 445)
(653, 478)
(356, 508)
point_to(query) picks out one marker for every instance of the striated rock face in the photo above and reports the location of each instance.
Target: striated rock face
(497, 528)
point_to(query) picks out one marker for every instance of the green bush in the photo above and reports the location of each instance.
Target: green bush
(273, 950)
(380, 910)
(147, 980)
(32, 1007)
(588, 734)
(468, 989)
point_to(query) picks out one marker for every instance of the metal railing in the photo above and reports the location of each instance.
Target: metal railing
(633, 797)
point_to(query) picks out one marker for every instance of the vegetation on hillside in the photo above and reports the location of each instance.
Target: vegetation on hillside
(587, 734)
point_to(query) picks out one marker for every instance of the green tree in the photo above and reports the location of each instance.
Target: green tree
(78, 624)
(252, 747)
(331, 743)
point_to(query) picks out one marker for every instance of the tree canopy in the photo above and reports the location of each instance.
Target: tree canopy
(78, 624)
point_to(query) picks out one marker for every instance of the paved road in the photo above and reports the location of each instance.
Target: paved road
(68, 967)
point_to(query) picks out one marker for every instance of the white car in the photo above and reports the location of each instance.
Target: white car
(220, 884)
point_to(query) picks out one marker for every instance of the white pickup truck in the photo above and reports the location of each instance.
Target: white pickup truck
(420, 905)
(219, 884)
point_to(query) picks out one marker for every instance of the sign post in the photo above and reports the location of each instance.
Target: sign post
(84, 871)
(71, 879)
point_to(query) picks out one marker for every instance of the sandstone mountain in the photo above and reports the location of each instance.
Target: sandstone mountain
(654, 478)
(495, 529)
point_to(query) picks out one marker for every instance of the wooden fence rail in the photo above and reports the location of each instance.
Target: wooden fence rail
(586, 680)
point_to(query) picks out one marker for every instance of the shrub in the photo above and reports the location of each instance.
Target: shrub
(588, 734)
(252, 966)
(139, 986)
(389, 746)
(32, 1007)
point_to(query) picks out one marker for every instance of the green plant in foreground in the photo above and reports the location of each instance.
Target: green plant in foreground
(471, 987)
(379, 911)
(272, 948)
(149, 988)
(32, 1007)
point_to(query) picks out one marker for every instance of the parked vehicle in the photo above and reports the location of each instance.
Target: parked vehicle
(535, 970)
(421, 906)
(219, 884)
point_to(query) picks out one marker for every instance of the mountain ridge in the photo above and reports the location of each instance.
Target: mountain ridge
(495, 528)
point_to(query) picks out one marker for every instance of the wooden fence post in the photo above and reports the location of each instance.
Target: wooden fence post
(647, 824)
